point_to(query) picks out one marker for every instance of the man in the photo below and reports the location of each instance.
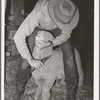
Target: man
(59, 17)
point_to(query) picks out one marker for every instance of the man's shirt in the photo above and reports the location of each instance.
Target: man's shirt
(38, 17)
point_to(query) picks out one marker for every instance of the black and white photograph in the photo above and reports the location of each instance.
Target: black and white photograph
(48, 50)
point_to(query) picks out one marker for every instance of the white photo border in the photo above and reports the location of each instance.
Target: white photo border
(96, 48)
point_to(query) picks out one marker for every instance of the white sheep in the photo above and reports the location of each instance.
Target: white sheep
(53, 67)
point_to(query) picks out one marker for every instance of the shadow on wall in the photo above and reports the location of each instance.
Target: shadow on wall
(83, 36)
(29, 5)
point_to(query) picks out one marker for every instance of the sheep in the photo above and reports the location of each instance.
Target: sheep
(53, 68)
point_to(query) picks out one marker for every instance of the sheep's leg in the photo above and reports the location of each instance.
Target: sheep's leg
(47, 85)
(79, 68)
(39, 89)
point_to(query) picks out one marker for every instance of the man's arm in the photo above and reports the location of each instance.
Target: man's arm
(64, 36)
(59, 39)
(26, 29)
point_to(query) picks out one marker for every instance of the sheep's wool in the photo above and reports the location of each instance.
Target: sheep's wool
(41, 39)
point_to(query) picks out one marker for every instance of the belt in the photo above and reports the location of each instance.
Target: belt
(44, 59)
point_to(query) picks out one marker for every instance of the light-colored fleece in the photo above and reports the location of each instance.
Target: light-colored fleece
(38, 17)
(52, 69)
(45, 76)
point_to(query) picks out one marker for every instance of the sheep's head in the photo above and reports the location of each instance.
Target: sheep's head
(41, 39)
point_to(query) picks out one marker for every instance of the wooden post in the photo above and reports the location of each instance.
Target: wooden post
(15, 18)
(18, 7)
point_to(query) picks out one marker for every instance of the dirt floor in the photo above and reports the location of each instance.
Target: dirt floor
(58, 91)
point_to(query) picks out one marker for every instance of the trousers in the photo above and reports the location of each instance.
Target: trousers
(71, 75)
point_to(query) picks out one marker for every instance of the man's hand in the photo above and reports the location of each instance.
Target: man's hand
(35, 64)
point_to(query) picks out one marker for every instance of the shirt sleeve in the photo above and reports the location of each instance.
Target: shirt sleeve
(64, 36)
(26, 29)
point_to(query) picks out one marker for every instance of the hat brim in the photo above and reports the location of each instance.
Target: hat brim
(63, 27)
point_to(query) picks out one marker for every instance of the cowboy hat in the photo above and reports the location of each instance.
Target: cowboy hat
(64, 13)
